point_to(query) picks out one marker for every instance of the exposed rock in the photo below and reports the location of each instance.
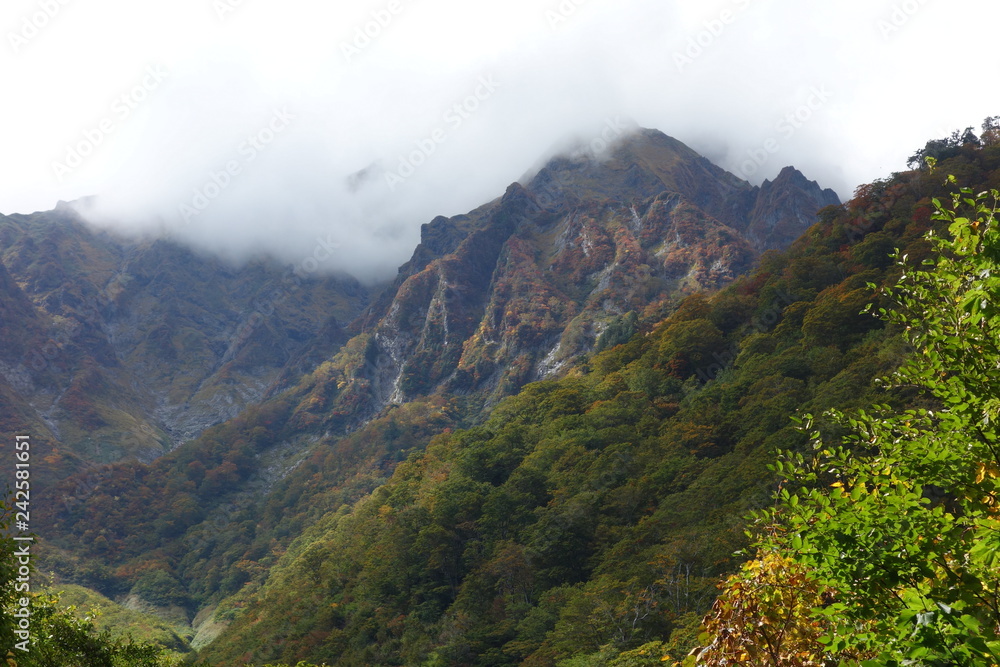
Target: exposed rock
(784, 208)
(517, 288)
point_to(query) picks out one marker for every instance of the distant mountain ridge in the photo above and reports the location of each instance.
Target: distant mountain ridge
(126, 348)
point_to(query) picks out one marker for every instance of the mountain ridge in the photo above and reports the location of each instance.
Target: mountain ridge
(641, 167)
(520, 289)
(145, 320)
(510, 292)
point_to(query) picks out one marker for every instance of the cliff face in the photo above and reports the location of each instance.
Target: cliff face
(519, 288)
(784, 208)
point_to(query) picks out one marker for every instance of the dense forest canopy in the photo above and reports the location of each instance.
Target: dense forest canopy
(883, 546)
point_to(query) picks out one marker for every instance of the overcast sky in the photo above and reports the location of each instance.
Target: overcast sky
(237, 124)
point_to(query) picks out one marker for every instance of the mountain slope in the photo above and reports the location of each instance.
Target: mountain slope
(137, 345)
(520, 289)
(592, 514)
(22, 330)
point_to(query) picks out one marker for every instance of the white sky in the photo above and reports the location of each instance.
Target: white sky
(893, 74)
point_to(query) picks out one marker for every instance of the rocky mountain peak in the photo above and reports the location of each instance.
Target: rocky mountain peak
(516, 289)
(785, 207)
(644, 163)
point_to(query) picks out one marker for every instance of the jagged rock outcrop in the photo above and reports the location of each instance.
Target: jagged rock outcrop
(515, 290)
(784, 208)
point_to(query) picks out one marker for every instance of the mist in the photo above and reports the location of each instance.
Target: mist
(325, 136)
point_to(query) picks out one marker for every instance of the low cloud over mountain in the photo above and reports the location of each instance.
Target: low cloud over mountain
(284, 127)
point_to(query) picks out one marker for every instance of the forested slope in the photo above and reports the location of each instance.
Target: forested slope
(599, 510)
(517, 290)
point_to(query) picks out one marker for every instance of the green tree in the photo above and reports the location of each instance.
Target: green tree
(58, 637)
(897, 525)
(619, 331)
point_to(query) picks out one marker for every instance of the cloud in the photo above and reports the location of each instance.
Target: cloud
(282, 127)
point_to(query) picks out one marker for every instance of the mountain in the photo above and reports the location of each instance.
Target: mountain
(524, 285)
(337, 387)
(127, 348)
(781, 209)
(22, 329)
(588, 520)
